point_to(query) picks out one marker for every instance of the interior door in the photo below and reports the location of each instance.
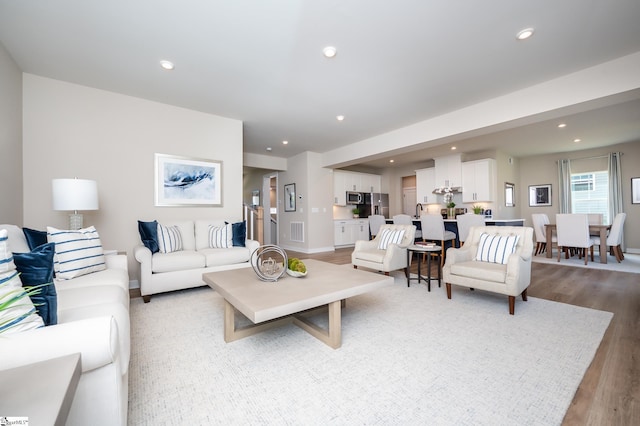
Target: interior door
(409, 201)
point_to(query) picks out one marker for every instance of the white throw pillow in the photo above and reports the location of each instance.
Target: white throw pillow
(388, 236)
(169, 239)
(17, 312)
(77, 252)
(220, 236)
(496, 248)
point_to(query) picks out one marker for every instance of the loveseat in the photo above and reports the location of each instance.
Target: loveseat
(93, 320)
(198, 253)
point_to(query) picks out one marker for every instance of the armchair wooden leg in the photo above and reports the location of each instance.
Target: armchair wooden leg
(512, 304)
(448, 290)
(355, 266)
(524, 295)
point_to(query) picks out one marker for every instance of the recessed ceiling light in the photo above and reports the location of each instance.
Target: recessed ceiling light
(285, 142)
(577, 140)
(562, 125)
(269, 148)
(329, 51)
(453, 148)
(339, 117)
(167, 65)
(391, 161)
(525, 34)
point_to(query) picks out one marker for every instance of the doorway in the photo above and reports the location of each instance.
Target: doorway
(270, 206)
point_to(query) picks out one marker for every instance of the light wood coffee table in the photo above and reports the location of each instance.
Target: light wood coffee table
(270, 304)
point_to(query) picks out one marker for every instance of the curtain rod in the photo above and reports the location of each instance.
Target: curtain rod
(591, 158)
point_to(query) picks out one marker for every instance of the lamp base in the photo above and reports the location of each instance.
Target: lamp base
(75, 221)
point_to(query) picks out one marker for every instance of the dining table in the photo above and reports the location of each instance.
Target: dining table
(601, 230)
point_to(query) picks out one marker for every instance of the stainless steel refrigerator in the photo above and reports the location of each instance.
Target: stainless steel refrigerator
(380, 204)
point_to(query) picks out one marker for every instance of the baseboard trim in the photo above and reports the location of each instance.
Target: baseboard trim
(632, 250)
(309, 251)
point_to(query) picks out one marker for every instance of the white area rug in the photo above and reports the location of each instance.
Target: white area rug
(631, 262)
(407, 357)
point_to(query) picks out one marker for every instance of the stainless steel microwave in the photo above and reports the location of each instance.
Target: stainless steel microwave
(354, 197)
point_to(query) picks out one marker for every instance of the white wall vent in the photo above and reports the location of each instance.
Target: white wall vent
(297, 232)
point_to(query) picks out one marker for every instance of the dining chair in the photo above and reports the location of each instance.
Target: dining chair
(614, 239)
(465, 222)
(405, 219)
(539, 220)
(573, 232)
(375, 222)
(433, 230)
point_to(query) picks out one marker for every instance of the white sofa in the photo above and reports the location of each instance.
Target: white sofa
(93, 320)
(162, 272)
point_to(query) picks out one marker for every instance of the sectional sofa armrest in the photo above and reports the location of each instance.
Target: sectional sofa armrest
(252, 245)
(96, 339)
(116, 261)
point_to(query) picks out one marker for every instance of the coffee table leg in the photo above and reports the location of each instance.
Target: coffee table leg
(232, 334)
(332, 337)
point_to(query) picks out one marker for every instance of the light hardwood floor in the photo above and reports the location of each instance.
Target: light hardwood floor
(610, 390)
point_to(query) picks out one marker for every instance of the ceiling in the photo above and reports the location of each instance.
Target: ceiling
(398, 63)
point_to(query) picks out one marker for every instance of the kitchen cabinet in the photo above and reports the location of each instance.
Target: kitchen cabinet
(478, 180)
(448, 171)
(347, 232)
(425, 184)
(344, 181)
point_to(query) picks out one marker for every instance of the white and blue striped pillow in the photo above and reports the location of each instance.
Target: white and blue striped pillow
(496, 248)
(18, 312)
(169, 239)
(220, 236)
(77, 252)
(388, 236)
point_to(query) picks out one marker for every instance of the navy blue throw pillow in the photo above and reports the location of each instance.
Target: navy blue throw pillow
(149, 235)
(34, 237)
(239, 231)
(36, 268)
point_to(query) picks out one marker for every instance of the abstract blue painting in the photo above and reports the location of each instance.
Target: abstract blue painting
(182, 181)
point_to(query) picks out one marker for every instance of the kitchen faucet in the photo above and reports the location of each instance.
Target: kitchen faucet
(418, 210)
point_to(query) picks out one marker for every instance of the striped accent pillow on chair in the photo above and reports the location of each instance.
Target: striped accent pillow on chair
(496, 248)
(169, 239)
(387, 236)
(77, 252)
(221, 236)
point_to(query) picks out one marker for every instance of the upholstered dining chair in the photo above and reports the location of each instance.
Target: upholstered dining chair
(375, 222)
(465, 222)
(573, 232)
(433, 230)
(405, 219)
(387, 251)
(539, 220)
(614, 239)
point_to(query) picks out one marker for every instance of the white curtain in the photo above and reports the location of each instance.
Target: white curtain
(564, 184)
(615, 186)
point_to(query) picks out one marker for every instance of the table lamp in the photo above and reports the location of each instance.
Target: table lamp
(74, 195)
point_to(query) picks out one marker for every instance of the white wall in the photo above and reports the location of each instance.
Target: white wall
(10, 140)
(76, 131)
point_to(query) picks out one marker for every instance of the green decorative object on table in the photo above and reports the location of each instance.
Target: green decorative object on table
(296, 268)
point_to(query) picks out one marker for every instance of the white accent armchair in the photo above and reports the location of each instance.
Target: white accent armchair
(368, 255)
(511, 279)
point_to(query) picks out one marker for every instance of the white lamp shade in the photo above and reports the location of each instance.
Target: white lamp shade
(75, 194)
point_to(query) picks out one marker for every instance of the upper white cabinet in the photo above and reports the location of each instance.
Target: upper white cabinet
(344, 181)
(478, 180)
(425, 184)
(448, 171)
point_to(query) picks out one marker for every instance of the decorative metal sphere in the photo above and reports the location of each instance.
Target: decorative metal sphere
(269, 262)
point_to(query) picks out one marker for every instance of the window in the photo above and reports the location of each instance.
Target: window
(590, 193)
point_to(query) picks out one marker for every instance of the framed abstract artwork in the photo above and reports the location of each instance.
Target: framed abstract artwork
(184, 181)
(539, 195)
(290, 197)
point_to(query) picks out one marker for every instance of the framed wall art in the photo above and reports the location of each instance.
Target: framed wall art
(539, 195)
(290, 197)
(184, 181)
